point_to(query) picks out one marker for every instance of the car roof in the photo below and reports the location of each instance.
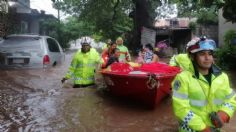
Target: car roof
(27, 35)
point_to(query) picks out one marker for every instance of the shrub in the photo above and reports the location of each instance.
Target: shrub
(226, 55)
(193, 26)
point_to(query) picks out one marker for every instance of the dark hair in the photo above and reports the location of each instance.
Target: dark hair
(110, 43)
(114, 50)
(149, 46)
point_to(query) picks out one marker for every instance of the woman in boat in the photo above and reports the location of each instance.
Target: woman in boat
(114, 57)
(107, 53)
(140, 58)
(149, 55)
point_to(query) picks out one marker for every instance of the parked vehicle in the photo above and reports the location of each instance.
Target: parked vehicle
(30, 51)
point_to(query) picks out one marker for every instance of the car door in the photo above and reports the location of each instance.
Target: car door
(55, 52)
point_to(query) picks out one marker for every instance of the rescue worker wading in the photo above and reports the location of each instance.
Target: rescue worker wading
(202, 99)
(83, 65)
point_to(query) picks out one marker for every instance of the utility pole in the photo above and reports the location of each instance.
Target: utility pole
(57, 4)
(58, 15)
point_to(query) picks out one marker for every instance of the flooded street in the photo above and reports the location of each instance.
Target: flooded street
(35, 100)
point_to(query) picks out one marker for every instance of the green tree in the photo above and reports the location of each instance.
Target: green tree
(227, 54)
(113, 18)
(70, 30)
(228, 6)
(207, 16)
(229, 12)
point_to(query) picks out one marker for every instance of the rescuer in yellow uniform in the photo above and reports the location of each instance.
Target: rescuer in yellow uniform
(183, 60)
(83, 65)
(202, 99)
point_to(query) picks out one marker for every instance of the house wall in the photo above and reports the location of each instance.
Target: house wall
(34, 26)
(224, 27)
(211, 31)
(21, 19)
(25, 2)
(23, 6)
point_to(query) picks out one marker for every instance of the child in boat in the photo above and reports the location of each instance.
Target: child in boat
(150, 56)
(140, 58)
(114, 57)
(147, 55)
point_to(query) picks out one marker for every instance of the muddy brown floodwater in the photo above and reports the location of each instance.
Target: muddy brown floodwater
(35, 100)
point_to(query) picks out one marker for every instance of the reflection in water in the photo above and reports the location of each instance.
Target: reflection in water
(34, 100)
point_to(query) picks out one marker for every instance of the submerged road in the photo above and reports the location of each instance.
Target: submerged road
(35, 100)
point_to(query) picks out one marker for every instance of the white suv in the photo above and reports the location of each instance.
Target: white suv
(31, 51)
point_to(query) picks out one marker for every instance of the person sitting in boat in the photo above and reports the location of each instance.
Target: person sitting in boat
(107, 44)
(140, 58)
(149, 55)
(124, 52)
(107, 53)
(114, 57)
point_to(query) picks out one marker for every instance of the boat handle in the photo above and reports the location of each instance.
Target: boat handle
(152, 82)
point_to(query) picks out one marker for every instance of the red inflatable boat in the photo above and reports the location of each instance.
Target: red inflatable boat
(148, 84)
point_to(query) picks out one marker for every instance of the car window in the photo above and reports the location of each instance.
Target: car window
(52, 45)
(19, 41)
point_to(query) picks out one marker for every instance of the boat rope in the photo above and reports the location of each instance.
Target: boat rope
(152, 82)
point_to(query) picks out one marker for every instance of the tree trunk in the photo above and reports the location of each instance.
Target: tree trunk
(141, 18)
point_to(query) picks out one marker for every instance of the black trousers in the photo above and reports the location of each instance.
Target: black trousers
(82, 85)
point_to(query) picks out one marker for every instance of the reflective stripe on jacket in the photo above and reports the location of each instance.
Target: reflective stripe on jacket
(82, 68)
(194, 99)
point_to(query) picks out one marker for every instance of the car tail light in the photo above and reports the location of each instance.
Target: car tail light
(46, 60)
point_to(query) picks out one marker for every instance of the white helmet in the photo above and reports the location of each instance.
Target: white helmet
(192, 42)
(207, 44)
(86, 40)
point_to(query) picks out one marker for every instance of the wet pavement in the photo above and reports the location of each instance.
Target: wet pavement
(35, 100)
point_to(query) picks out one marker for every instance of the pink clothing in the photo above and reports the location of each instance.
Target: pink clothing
(140, 58)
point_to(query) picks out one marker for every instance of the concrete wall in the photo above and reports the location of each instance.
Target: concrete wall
(224, 27)
(211, 31)
(23, 6)
(34, 26)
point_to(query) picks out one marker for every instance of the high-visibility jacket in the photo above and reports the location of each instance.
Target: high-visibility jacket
(181, 60)
(124, 53)
(194, 98)
(82, 68)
